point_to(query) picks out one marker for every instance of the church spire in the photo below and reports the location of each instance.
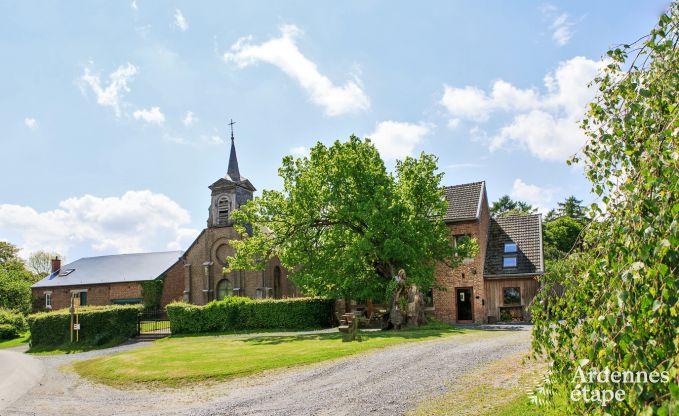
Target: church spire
(233, 171)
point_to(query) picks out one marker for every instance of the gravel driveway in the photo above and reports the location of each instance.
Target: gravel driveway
(381, 382)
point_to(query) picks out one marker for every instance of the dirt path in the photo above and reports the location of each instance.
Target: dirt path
(380, 382)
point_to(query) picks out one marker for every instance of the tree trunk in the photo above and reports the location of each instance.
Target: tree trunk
(407, 305)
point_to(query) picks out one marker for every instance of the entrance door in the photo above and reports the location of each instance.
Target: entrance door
(464, 303)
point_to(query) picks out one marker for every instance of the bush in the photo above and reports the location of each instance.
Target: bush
(11, 324)
(8, 332)
(240, 313)
(98, 325)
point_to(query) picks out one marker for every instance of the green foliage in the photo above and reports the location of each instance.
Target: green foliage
(240, 313)
(345, 226)
(152, 292)
(560, 235)
(8, 332)
(505, 207)
(616, 304)
(12, 324)
(15, 280)
(40, 263)
(98, 325)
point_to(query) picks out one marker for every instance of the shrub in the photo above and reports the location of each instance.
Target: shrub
(11, 324)
(8, 332)
(98, 325)
(239, 313)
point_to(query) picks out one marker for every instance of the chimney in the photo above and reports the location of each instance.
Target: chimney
(56, 264)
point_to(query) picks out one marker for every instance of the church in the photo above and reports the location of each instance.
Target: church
(196, 275)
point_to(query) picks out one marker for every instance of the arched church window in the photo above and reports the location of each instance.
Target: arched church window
(223, 289)
(277, 282)
(223, 208)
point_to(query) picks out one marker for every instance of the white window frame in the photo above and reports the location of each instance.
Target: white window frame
(48, 300)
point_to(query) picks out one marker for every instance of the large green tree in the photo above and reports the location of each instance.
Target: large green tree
(15, 280)
(619, 303)
(345, 226)
(506, 206)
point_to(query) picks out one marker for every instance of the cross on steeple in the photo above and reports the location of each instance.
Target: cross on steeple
(231, 124)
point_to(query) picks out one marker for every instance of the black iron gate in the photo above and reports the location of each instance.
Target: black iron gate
(153, 323)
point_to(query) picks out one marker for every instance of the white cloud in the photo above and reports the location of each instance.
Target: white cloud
(562, 29)
(180, 20)
(561, 24)
(112, 94)
(547, 124)
(134, 4)
(151, 116)
(396, 140)
(536, 196)
(31, 123)
(299, 151)
(283, 53)
(136, 221)
(189, 119)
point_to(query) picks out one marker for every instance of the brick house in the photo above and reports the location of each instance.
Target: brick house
(500, 281)
(102, 280)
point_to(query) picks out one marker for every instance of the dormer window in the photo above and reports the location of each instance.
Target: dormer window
(66, 272)
(509, 260)
(223, 209)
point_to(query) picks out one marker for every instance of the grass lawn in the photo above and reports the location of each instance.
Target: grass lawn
(497, 389)
(23, 339)
(175, 361)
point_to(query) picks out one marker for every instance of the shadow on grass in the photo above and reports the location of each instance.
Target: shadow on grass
(428, 331)
(74, 348)
(241, 332)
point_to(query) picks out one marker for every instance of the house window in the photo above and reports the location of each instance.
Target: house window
(223, 289)
(223, 208)
(83, 298)
(48, 300)
(509, 262)
(461, 239)
(511, 296)
(510, 247)
(429, 298)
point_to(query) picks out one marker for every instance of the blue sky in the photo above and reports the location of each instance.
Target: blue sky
(113, 115)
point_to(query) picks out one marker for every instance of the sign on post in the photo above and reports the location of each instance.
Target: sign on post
(76, 327)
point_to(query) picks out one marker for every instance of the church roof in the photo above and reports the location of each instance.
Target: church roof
(118, 268)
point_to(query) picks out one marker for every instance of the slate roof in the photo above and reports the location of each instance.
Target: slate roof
(112, 269)
(464, 201)
(526, 232)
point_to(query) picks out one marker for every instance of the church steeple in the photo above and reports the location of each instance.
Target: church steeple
(230, 192)
(232, 170)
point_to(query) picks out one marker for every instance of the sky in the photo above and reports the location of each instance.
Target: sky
(114, 115)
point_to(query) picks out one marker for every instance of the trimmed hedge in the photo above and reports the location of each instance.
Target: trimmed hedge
(12, 324)
(240, 313)
(98, 325)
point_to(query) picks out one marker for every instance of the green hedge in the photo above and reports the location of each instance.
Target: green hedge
(240, 313)
(98, 325)
(11, 324)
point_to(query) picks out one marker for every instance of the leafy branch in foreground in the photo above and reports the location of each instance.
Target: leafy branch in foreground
(615, 304)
